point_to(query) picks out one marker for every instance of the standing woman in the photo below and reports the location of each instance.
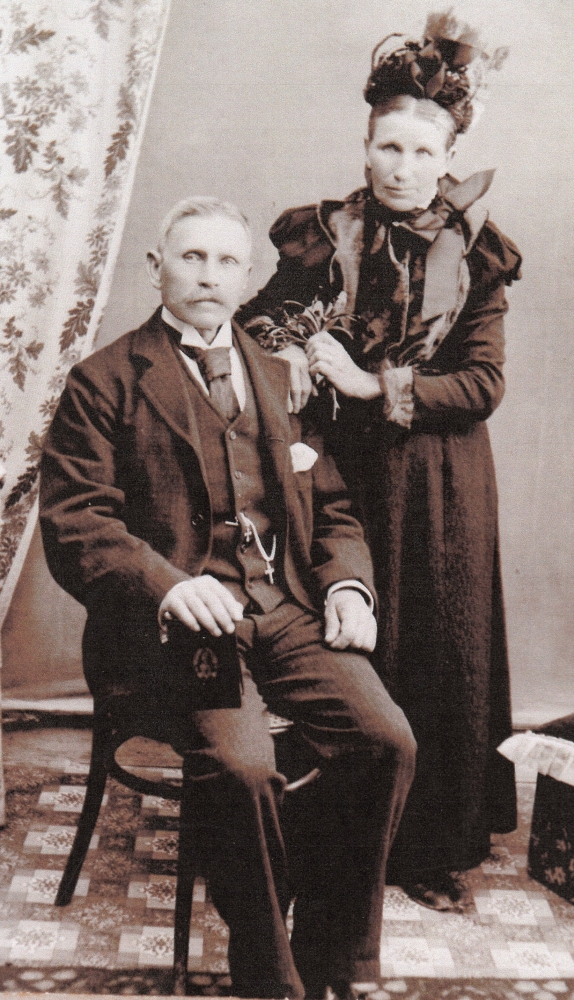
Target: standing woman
(423, 272)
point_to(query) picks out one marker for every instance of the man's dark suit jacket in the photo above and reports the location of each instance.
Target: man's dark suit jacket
(125, 509)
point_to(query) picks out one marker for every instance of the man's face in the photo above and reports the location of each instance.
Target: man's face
(203, 270)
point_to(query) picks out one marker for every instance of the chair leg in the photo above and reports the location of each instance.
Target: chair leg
(186, 875)
(86, 824)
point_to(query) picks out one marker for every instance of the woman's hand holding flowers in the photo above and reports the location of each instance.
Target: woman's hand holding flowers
(326, 356)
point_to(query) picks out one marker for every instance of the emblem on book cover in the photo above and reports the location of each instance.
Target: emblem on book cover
(205, 664)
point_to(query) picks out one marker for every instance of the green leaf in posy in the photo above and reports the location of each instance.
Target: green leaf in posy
(294, 323)
(288, 327)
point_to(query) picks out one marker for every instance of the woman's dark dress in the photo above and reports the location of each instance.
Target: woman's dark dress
(429, 498)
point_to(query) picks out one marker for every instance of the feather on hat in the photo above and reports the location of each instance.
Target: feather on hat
(449, 66)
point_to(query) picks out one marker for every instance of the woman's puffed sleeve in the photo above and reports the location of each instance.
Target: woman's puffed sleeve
(494, 257)
(466, 383)
(303, 267)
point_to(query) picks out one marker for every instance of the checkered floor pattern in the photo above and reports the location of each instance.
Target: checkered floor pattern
(509, 929)
(509, 925)
(122, 912)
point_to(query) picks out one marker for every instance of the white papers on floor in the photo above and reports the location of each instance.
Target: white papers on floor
(550, 754)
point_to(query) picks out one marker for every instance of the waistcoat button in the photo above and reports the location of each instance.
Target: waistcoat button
(238, 474)
(232, 435)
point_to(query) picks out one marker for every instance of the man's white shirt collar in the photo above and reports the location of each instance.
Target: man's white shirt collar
(223, 338)
(191, 337)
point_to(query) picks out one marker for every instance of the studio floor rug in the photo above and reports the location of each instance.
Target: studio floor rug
(511, 939)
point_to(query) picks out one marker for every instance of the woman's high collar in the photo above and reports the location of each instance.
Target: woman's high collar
(387, 216)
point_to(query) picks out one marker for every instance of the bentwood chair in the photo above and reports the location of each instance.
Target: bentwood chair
(117, 720)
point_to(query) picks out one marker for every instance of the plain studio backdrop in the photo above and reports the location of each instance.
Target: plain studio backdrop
(260, 102)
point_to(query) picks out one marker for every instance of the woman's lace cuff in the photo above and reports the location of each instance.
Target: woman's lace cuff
(398, 401)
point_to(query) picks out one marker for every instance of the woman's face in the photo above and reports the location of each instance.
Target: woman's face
(406, 155)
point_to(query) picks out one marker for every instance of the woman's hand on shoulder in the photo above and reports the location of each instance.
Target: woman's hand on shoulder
(301, 384)
(328, 357)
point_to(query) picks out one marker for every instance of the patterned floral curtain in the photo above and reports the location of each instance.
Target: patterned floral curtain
(75, 83)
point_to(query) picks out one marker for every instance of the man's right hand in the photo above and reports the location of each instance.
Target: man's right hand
(202, 602)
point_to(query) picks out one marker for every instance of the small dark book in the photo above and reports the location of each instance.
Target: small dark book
(202, 670)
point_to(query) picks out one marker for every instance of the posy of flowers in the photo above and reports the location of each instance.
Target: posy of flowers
(294, 323)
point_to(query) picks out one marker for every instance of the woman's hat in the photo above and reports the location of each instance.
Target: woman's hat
(449, 66)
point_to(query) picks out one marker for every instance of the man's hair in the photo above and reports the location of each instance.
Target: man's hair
(199, 205)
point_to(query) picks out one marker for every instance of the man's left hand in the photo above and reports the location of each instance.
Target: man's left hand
(348, 621)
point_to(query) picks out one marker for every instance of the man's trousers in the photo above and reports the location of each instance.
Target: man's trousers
(324, 845)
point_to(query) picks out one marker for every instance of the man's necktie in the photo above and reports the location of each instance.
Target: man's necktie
(215, 368)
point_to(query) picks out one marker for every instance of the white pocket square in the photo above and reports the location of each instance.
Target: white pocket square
(302, 456)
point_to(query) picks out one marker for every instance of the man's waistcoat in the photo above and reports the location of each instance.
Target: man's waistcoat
(240, 481)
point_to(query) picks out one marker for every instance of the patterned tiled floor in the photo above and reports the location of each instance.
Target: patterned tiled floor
(509, 925)
(510, 931)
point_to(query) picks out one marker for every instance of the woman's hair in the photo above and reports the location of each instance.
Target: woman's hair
(448, 67)
(420, 107)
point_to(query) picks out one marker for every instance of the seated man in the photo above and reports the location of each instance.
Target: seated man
(175, 485)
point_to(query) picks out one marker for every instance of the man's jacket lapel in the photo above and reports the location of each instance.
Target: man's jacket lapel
(162, 381)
